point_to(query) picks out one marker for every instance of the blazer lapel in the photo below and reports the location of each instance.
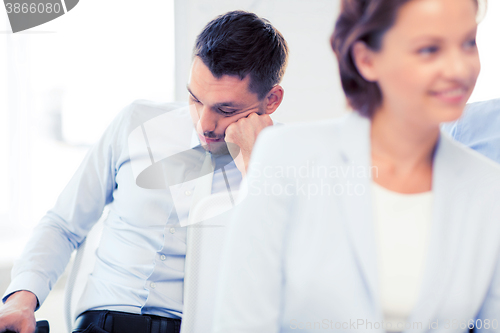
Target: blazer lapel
(355, 150)
(447, 223)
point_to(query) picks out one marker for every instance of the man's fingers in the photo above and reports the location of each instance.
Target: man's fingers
(17, 317)
(253, 121)
(243, 134)
(28, 330)
(29, 327)
(5, 323)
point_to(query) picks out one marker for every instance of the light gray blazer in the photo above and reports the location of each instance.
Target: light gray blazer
(301, 259)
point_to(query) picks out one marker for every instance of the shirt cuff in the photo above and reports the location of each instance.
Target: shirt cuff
(31, 282)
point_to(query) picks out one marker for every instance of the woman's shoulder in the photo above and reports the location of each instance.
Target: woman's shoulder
(311, 134)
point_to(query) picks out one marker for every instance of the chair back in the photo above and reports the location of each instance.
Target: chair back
(203, 258)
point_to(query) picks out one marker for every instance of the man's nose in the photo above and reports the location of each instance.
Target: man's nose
(208, 120)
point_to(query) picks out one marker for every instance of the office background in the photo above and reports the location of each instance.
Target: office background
(63, 82)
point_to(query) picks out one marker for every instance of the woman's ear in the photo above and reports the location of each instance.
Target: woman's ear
(273, 99)
(363, 58)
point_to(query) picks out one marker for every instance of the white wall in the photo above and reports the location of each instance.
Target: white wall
(312, 88)
(487, 86)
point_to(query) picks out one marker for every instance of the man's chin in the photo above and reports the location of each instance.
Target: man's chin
(217, 148)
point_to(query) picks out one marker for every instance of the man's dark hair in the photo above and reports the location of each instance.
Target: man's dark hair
(241, 43)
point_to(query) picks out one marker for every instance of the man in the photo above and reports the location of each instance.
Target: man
(143, 169)
(479, 128)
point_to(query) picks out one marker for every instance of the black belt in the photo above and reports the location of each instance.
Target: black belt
(122, 322)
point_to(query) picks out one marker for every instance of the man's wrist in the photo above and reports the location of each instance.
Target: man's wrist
(24, 297)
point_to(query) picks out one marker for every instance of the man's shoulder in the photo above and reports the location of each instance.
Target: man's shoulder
(471, 164)
(296, 142)
(479, 128)
(141, 112)
(306, 135)
(306, 132)
(144, 104)
(478, 119)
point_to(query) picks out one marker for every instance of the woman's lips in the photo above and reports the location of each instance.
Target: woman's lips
(455, 95)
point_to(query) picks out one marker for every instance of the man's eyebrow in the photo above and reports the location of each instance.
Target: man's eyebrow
(226, 104)
(191, 93)
(218, 105)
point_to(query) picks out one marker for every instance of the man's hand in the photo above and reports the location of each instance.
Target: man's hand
(18, 312)
(243, 133)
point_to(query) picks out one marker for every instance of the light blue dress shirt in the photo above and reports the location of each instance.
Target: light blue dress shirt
(479, 128)
(140, 258)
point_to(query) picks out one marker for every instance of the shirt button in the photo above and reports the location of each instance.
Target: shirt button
(188, 193)
(163, 257)
(172, 230)
(153, 285)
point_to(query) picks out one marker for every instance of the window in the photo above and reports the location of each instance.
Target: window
(65, 81)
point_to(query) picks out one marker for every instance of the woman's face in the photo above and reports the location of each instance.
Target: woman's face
(428, 63)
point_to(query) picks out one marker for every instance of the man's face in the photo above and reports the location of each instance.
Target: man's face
(215, 103)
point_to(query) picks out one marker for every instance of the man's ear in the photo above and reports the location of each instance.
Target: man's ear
(363, 58)
(273, 99)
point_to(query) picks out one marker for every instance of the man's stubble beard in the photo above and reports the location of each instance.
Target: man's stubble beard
(217, 148)
(221, 148)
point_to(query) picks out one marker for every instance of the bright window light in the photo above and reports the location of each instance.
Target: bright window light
(64, 82)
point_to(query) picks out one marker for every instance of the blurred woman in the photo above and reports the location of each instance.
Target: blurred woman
(376, 221)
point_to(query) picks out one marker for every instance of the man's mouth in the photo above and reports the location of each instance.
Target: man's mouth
(209, 140)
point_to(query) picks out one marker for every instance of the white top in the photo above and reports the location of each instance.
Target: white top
(402, 223)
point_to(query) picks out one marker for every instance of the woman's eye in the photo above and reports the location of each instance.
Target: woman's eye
(471, 43)
(429, 50)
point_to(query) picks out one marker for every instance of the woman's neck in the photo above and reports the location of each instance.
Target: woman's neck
(402, 152)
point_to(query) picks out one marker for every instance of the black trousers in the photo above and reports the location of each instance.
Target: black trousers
(121, 322)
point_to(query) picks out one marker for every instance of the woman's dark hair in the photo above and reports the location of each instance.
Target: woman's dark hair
(367, 21)
(241, 43)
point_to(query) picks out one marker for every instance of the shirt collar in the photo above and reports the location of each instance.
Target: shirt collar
(219, 159)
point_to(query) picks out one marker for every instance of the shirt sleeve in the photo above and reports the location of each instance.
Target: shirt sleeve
(249, 298)
(66, 225)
